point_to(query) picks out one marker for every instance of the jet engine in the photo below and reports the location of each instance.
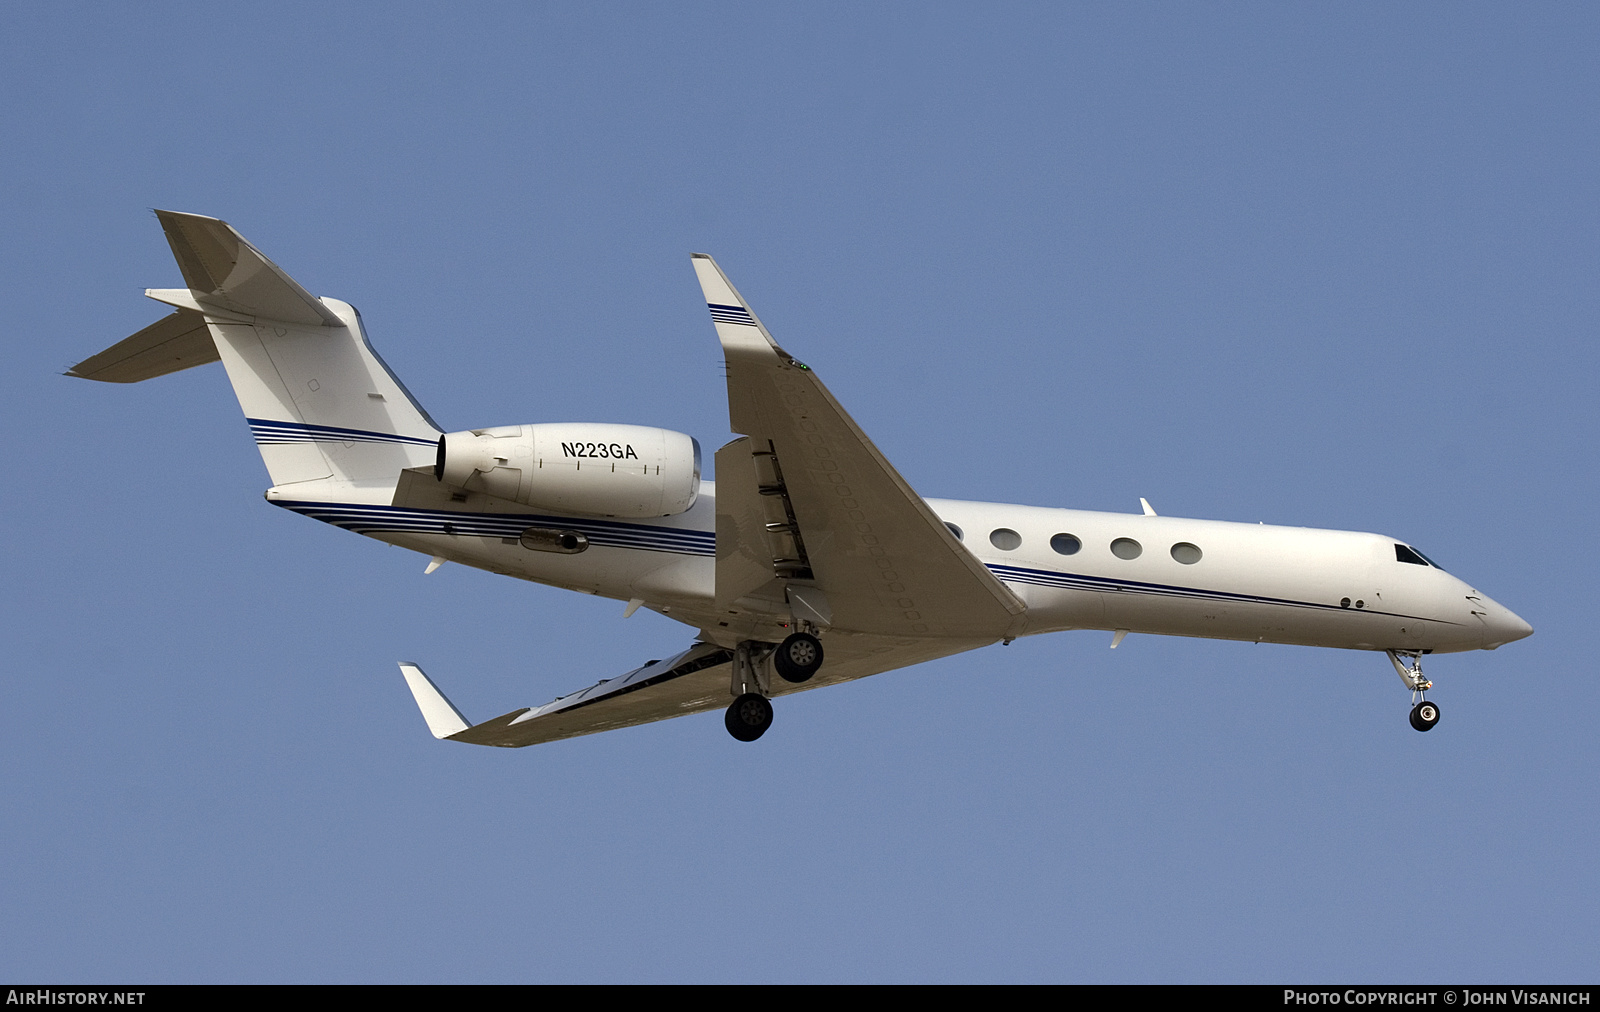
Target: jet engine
(593, 469)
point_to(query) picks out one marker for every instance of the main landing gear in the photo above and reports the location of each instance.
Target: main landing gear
(796, 659)
(1424, 713)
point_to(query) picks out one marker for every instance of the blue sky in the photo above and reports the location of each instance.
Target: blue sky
(1327, 265)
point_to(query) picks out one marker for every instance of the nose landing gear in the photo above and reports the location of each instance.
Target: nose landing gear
(1424, 714)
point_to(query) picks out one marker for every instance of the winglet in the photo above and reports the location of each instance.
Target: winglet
(732, 315)
(443, 718)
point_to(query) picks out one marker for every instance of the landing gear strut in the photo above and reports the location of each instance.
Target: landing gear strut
(1424, 714)
(750, 714)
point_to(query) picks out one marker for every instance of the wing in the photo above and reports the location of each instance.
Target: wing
(695, 681)
(690, 682)
(808, 501)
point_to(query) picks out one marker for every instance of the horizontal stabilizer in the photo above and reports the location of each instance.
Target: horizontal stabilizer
(442, 716)
(170, 344)
(222, 269)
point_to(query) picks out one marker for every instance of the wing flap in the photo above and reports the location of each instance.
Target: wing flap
(886, 563)
(691, 682)
(745, 553)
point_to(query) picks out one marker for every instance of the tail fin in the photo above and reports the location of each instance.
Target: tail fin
(319, 400)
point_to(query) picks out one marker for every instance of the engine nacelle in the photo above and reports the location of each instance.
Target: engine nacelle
(577, 467)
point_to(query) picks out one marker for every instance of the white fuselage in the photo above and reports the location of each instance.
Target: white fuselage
(1134, 573)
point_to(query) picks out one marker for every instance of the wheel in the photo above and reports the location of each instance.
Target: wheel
(749, 717)
(798, 657)
(1424, 715)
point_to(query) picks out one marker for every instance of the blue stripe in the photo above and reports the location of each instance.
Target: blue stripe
(1102, 584)
(731, 314)
(269, 432)
(371, 519)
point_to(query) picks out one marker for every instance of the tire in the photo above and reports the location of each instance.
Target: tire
(748, 717)
(798, 657)
(1424, 715)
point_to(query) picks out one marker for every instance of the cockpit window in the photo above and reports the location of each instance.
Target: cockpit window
(1405, 553)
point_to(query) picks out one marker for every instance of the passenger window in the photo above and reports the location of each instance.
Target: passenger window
(954, 530)
(1005, 539)
(1186, 553)
(1065, 544)
(1126, 548)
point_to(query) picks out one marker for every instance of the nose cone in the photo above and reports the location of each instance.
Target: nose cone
(1501, 625)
